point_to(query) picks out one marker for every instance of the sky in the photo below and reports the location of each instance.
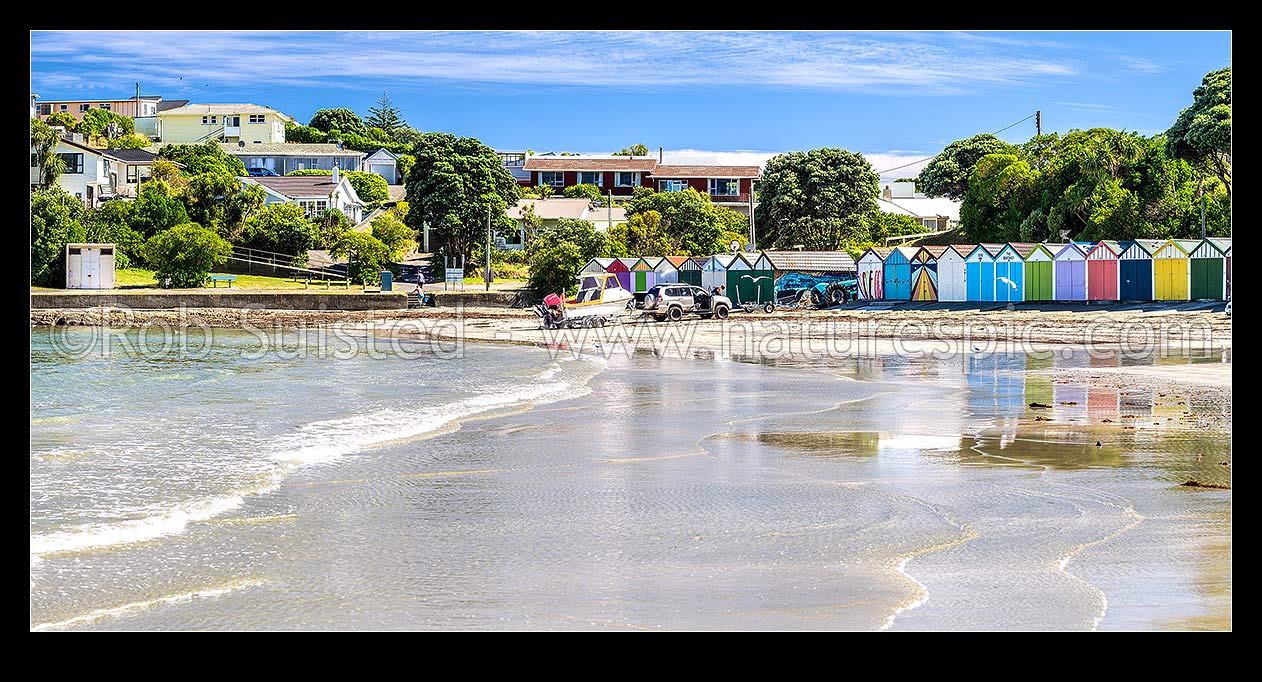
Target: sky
(707, 96)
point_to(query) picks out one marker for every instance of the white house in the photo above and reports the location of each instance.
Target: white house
(935, 213)
(550, 210)
(283, 158)
(94, 174)
(313, 193)
(384, 163)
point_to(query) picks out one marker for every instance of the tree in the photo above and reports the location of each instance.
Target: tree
(644, 235)
(62, 119)
(404, 164)
(56, 220)
(371, 188)
(948, 173)
(96, 122)
(456, 184)
(531, 223)
(129, 141)
(168, 172)
(406, 136)
(223, 203)
(998, 200)
(817, 199)
(197, 159)
(112, 224)
(688, 218)
(385, 115)
(391, 231)
(343, 120)
(44, 142)
(881, 225)
(158, 208)
(367, 255)
(589, 192)
(185, 254)
(304, 134)
(556, 255)
(332, 225)
(633, 150)
(1201, 134)
(282, 228)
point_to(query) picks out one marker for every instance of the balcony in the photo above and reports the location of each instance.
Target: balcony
(730, 198)
(232, 131)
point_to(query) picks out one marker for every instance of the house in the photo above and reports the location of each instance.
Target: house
(197, 123)
(515, 163)
(550, 210)
(384, 163)
(315, 194)
(936, 214)
(284, 158)
(620, 175)
(93, 175)
(132, 107)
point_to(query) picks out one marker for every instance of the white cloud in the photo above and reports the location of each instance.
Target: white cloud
(895, 63)
(895, 162)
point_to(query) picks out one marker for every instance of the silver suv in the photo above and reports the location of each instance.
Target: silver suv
(673, 301)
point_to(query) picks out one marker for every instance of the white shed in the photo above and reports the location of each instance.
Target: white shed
(89, 266)
(952, 285)
(384, 163)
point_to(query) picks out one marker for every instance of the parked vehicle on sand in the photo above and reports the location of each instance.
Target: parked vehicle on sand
(673, 301)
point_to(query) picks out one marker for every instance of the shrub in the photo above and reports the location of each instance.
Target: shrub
(589, 192)
(391, 231)
(367, 255)
(56, 220)
(157, 209)
(63, 119)
(96, 121)
(203, 158)
(556, 255)
(304, 134)
(112, 224)
(129, 141)
(185, 254)
(343, 120)
(404, 164)
(282, 228)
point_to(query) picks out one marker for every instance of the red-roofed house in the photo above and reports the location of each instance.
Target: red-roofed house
(620, 175)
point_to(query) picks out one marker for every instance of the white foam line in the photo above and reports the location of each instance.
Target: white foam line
(1136, 519)
(924, 595)
(136, 606)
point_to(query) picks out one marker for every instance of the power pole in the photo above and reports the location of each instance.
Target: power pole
(1202, 216)
(487, 275)
(753, 240)
(1038, 123)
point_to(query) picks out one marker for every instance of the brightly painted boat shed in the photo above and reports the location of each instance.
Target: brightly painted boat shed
(755, 285)
(1134, 270)
(621, 268)
(1207, 271)
(871, 281)
(924, 273)
(897, 273)
(979, 273)
(1102, 276)
(1170, 270)
(1071, 273)
(952, 272)
(690, 270)
(1009, 273)
(668, 269)
(598, 265)
(1224, 244)
(643, 275)
(1038, 270)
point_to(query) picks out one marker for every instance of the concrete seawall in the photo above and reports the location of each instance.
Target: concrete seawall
(162, 300)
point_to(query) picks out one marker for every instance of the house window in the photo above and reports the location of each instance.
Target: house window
(313, 208)
(64, 107)
(931, 223)
(107, 106)
(45, 109)
(585, 178)
(74, 163)
(673, 185)
(722, 187)
(34, 160)
(621, 179)
(82, 107)
(211, 120)
(131, 174)
(258, 118)
(556, 179)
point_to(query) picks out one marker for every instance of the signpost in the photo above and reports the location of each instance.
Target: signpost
(453, 275)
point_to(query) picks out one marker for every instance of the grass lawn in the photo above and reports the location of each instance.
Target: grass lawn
(133, 278)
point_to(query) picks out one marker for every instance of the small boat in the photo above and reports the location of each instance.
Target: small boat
(599, 299)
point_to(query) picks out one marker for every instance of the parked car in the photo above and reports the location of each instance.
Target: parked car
(673, 301)
(262, 173)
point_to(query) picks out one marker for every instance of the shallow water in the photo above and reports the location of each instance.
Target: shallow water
(506, 489)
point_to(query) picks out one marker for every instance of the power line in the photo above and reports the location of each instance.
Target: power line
(887, 170)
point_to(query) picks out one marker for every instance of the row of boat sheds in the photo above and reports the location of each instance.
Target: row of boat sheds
(1135, 270)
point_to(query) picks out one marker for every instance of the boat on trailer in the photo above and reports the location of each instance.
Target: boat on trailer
(600, 299)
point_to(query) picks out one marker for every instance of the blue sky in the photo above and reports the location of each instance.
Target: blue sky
(729, 96)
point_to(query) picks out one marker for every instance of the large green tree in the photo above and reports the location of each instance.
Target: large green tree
(366, 254)
(196, 159)
(282, 228)
(948, 173)
(644, 235)
(385, 115)
(688, 218)
(1202, 133)
(343, 120)
(56, 220)
(817, 199)
(223, 203)
(97, 122)
(556, 255)
(112, 223)
(185, 254)
(456, 183)
(158, 207)
(44, 141)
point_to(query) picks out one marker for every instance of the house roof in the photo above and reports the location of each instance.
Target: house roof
(935, 251)
(169, 104)
(396, 193)
(130, 156)
(221, 109)
(921, 207)
(298, 186)
(705, 172)
(287, 149)
(677, 260)
(551, 209)
(581, 163)
(384, 152)
(820, 261)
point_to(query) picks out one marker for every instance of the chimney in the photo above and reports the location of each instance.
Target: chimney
(659, 155)
(336, 175)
